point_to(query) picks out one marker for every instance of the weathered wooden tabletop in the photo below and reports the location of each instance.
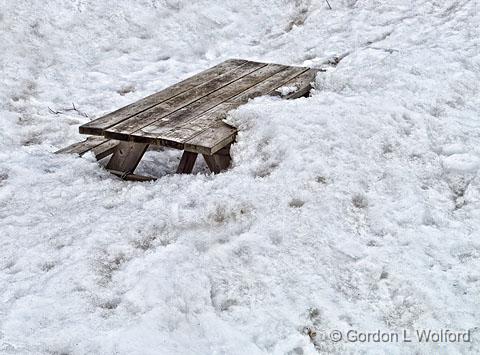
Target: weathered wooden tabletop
(189, 115)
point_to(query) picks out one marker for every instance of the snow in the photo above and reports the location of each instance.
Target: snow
(285, 90)
(356, 208)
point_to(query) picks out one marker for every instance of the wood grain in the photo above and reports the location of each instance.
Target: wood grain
(105, 149)
(187, 163)
(302, 83)
(219, 161)
(99, 146)
(137, 122)
(97, 126)
(207, 103)
(82, 147)
(212, 139)
(132, 177)
(214, 134)
(207, 133)
(195, 118)
(126, 157)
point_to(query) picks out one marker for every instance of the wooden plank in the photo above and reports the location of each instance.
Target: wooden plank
(125, 128)
(186, 114)
(185, 133)
(82, 147)
(100, 147)
(269, 86)
(105, 149)
(97, 126)
(214, 134)
(195, 119)
(131, 177)
(187, 162)
(219, 161)
(302, 83)
(224, 151)
(212, 139)
(127, 156)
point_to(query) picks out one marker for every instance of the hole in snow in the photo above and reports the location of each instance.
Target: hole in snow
(296, 203)
(359, 201)
(49, 265)
(110, 304)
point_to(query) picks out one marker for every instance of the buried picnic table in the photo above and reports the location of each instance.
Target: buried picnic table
(188, 116)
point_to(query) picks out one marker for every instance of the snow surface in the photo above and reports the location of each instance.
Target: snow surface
(356, 208)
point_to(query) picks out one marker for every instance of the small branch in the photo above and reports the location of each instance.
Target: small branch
(73, 108)
(76, 110)
(54, 112)
(328, 5)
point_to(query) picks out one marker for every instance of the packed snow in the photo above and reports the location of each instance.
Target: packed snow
(355, 208)
(285, 90)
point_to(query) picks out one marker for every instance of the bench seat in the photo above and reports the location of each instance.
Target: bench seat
(100, 147)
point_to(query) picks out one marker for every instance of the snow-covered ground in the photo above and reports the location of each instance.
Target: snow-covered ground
(357, 208)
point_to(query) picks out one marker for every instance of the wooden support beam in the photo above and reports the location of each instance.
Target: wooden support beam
(127, 156)
(219, 161)
(131, 177)
(187, 162)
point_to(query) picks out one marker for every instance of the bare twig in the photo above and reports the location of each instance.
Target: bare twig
(54, 112)
(328, 4)
(73, 108)
(76, 110)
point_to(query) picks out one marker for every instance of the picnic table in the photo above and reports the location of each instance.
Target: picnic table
(188, 116)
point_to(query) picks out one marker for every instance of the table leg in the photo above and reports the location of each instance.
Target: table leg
(218, 161)
(187, 162)
(126, 157)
